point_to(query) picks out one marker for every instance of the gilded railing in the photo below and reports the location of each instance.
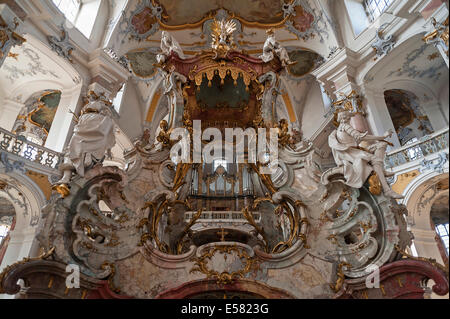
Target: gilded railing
(21, 147)
(425, 146)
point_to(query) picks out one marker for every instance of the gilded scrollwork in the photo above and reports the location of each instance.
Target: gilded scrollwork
(224, 277)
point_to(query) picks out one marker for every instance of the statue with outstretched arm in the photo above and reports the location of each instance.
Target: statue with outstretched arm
(358, 163)
(92, 138)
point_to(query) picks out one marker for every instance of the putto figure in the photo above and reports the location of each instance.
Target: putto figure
(92, 138)
(169, 45)
(272, 47)
(357, 163)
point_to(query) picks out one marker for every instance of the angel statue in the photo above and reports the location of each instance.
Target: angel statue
(355, 162)
(93, 136)
(272, 47)
(169, 45)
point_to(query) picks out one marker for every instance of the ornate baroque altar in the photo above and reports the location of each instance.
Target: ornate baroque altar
(192, 230)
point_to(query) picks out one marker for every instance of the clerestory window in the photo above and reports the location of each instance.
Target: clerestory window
(70, 8)
(375, 8)
(81, 13)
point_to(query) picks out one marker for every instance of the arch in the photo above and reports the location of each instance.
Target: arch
(416, 186)
(27, 200)
(48, 69)
(192, 288)
(407, 114)
(371, 69)
(420, 89)
(419, 199)
(428, 99)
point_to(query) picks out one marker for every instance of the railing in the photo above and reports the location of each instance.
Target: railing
(427, 145)
(222, 216)
(19, 146)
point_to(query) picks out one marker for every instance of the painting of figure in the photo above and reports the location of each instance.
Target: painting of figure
(183, 12)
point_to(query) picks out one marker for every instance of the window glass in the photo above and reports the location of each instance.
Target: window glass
(375, 8)
(442, 231)
(69, 8)
(4, 229)
(81, 13)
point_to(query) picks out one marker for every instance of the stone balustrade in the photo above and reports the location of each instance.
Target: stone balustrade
(20, 148)
(419, 151)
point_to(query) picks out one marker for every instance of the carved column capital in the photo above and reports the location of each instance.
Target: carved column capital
(9, 28)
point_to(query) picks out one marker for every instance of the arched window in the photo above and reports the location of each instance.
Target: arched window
(375, 8)
(7, 219)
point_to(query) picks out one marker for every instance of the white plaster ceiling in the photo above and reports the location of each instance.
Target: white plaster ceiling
(415, 62)
(35, 65)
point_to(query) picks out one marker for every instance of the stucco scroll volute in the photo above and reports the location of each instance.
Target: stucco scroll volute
(62, 45)
(382, 44)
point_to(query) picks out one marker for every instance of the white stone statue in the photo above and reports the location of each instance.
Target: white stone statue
(272, 47)
(358, 163)
(169, 45)
(93, 136)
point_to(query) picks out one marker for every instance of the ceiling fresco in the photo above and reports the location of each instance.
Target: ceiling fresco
(306, 61)
(44, 114)
(142, 63)
(297, 16)
(182, 12)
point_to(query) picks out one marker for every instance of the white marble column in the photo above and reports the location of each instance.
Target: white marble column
(378, 115)
(19, 246)
(63, 118)
(9, 110)
(436, 115)
(425, 243)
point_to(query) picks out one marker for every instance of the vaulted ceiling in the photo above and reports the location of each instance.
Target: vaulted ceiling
(302, 26)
